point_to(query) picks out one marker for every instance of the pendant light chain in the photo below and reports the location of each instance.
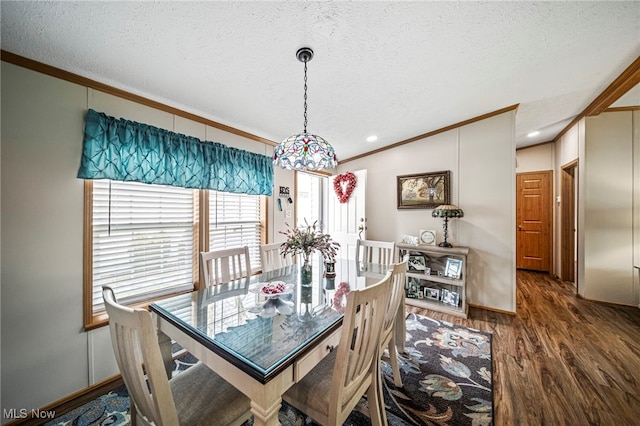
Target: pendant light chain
(305, 96)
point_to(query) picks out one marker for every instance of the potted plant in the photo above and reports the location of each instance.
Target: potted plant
(305, 240)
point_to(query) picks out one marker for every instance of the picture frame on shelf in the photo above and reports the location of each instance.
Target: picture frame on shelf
(431, 293)
(410, 239)
(450, 297)
(427, 237)
(453, 268)
(423, 190)
(417, 263)
(413, 288)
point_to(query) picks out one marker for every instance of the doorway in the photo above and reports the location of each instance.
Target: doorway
(533, 217)
(568, 223)
(347, 222)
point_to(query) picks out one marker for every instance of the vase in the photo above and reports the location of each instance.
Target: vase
(306, 273)
(330, 269)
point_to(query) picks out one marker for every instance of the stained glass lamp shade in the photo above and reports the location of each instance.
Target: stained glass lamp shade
(305, 151)
(447, 211)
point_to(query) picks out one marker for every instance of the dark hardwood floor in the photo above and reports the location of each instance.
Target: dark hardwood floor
(561, 360)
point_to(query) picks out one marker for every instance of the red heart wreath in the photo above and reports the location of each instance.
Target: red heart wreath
(344, 192)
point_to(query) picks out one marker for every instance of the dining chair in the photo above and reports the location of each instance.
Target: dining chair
(393, 315)
(371, 251)
(271, 258)
(222, 266)
(330, 391)
(196, 396)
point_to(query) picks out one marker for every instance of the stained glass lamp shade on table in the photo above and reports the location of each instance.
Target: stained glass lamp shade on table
(447, 211)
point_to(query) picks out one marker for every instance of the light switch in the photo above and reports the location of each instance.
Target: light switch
(287, 214)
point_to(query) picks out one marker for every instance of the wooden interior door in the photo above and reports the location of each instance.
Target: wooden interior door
(533, 218)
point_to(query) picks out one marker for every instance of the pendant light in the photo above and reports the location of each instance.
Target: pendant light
(304, 151)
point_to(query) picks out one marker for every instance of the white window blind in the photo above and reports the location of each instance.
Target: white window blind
(143, 240)
(234, 220)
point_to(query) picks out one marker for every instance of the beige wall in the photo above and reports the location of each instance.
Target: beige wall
(607, 148)
(607, 264)
(46, 355)
(535, 159)
(481, 158)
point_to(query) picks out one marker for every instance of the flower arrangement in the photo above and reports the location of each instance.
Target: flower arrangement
(307, 239)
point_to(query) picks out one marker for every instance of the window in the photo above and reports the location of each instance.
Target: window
(234, 220)
(310, 194)
(143, 240)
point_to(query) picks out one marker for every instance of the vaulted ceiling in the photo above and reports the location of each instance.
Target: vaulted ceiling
(391, 69)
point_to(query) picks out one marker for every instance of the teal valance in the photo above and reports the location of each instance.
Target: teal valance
(124, 150)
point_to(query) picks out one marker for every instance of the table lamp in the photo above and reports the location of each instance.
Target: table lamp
(447, 211)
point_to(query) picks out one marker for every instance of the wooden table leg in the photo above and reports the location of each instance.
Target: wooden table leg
(165, 349)
(266, 416)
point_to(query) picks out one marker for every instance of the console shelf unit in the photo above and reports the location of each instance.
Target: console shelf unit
(436, 283)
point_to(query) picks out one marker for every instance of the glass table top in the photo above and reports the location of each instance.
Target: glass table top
(262, 333)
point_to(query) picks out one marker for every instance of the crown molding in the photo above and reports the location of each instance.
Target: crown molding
(626, 81)
(433, 132)
(534, 145)
(43, 68)
(629, 78)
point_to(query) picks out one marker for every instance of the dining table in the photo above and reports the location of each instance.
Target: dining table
(265, 332)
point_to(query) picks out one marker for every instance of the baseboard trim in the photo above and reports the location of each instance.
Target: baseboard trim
(487, 308)
(68, 403)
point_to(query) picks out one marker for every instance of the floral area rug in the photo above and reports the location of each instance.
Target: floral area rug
(446, 372)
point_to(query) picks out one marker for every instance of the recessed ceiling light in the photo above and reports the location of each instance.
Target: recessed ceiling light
(372, 138)
(532, 134)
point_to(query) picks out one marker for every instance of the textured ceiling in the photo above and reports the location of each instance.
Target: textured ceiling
(393, 69)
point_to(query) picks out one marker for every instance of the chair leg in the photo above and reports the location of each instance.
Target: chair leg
(376, 399)
(393, 357)
(134, 413)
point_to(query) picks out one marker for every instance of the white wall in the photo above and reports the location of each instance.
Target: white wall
(46, 355)
(481, 158)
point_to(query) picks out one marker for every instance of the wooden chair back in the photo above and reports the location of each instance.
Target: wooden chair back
(222, 266)
(356, 361)
(271, 258)
(398, 282)
(370, 251)
(135, 344)
(393, 314)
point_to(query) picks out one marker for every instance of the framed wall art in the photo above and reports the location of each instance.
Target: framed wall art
(424, 190)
